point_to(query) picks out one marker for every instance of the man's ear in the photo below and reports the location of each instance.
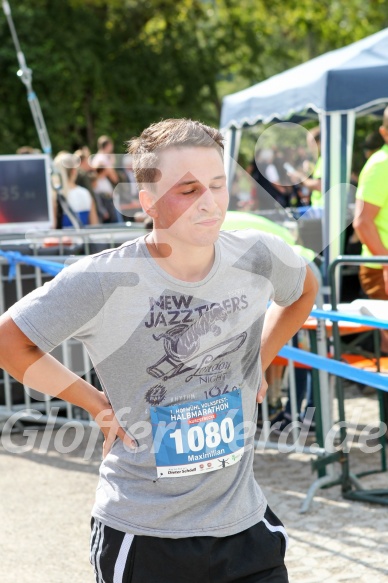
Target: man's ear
(147, 201)
(383, 133)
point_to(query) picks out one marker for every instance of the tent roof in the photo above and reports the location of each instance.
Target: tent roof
(352, 78)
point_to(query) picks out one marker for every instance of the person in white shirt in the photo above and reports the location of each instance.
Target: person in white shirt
(78, 198)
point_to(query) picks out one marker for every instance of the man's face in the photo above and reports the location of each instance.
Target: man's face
(191, 196)
(108, 149)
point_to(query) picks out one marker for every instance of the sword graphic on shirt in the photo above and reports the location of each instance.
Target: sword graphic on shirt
(182, 345)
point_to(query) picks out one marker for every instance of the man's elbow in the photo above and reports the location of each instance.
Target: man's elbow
(13, 343)
(362, 218)
(4, 339)
(311, 285)
(357, 223)
(360, 226)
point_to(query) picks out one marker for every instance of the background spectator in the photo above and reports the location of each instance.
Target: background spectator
(78, 198)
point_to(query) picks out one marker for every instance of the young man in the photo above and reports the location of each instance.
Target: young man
(174, 324)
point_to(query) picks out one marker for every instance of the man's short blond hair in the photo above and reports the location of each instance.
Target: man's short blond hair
(169, 133)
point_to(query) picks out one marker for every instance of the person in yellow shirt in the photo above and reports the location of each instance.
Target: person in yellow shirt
(371, 221)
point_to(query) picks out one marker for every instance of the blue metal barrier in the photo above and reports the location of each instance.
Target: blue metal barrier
(14, 257)
(374, 379)
(335, 316)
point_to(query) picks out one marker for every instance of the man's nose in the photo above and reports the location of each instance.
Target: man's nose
(207, 200)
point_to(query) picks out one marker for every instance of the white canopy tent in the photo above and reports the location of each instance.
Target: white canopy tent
(335, 87)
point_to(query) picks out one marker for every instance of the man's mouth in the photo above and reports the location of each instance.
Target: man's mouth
(209, 222)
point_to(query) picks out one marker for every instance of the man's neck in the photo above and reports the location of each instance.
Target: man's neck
(185, 262)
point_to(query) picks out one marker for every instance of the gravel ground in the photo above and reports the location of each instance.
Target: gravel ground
(47, 497)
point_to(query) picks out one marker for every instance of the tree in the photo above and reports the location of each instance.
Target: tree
(114, 66)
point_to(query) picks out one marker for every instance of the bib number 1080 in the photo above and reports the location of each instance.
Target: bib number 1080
(211, 435)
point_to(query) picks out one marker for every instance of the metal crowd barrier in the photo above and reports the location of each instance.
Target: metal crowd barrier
(351, 486)
(72, 241)
(323, 393)
(14, 397)
(350, 489)
(56, 246)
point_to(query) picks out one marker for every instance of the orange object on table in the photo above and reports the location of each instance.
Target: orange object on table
(368, 364)
(344, 329)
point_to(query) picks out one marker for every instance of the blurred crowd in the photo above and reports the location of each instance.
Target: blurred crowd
(289, 177)
(93, 190)
(101, 188)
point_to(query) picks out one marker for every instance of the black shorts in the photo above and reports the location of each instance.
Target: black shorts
(255, 555)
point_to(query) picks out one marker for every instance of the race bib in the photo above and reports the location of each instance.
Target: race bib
(198, 437)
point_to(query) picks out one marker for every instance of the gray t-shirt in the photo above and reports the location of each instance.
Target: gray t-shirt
(188, 352)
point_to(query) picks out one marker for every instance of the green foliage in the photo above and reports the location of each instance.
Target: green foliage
(114, 66)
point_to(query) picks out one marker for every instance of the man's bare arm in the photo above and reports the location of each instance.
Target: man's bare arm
(310, 183)
(23, 360)
(281, 324)
(364, 225)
